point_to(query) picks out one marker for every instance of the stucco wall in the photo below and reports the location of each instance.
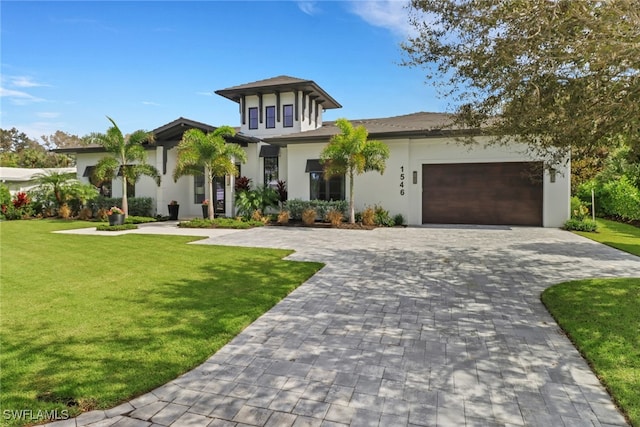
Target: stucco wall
(407, 158)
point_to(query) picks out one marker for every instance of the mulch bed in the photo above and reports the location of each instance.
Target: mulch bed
(343, 226)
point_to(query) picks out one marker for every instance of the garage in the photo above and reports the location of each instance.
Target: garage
(506, 193)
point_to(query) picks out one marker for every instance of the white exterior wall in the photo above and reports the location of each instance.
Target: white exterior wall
(303, 123)
(407, 157)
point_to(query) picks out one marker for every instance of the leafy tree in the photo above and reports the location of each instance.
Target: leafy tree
(552, 74)
(128, 158)
(208, 154)
(62, 139)
(351, 153)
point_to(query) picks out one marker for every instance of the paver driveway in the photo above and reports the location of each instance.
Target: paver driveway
(418, 326)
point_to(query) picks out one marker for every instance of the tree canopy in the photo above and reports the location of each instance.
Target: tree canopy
(552, 74)
(351, 153)
(128, 157)
(208, 154)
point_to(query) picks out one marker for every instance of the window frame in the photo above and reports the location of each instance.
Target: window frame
(270, 116)
(277, 169)
(323, 187)
(253, 117)
(287, 119)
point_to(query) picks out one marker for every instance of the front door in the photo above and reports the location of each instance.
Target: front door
(219, 196)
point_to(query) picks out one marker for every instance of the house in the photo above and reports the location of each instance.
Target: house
(430, 178)
(25, 179)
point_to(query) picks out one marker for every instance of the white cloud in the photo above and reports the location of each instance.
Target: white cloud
(308, 7)
(24, 81)
(47, 115)
(205, 93)
(18, 97)
(390, 14)
(155, 104)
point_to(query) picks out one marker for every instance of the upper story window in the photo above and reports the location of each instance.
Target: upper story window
(287, 115)
(253, 118)
(271, 117)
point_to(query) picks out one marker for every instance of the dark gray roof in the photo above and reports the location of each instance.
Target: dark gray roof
(410, 125)
(280, 84)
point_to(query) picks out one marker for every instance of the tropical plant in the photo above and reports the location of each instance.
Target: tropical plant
(260, 198)
(56, 182)
(208, 154)
(128, 158)
(351, 153)
(309, 216)
(281, 189)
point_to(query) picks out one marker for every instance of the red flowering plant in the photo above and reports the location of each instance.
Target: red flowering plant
(115, 210)
(20, 200)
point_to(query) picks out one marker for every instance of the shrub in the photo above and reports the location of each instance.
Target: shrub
(132, 219)
(64, 212)
(18, 207)
(85, 214)
(579, 210)
(297, 206)
(335, 217)
(616, 198)
(281, 189)
(123, 227)
(219, 223)
(398, 219)
(138, 206)
(382, 217)
(242, 184)
(309, 216)
(283, 217)
(369, 216)
(585, 224)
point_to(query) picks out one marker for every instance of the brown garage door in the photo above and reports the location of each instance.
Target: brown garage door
(482, 193)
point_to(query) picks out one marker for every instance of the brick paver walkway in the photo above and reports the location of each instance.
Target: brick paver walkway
(434, 326)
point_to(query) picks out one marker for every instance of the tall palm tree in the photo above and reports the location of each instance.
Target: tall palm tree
(208, 154)
(351, 153)
(129, 158)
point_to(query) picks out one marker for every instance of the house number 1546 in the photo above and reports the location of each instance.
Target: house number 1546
(402, 180)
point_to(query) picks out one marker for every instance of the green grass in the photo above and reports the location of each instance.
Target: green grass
(602, 318)
(102, 319)
(616, 234)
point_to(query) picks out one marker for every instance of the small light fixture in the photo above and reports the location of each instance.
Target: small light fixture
(415, 177)
(552, 175)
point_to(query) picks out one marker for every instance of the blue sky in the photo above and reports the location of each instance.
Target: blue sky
(67, 65)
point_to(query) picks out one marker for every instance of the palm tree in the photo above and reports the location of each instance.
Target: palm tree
(208, 154)
(351, 153)
(128, 158)
(57, 183)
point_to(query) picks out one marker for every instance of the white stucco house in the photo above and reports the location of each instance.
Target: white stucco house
(430, 178)
(25, 179)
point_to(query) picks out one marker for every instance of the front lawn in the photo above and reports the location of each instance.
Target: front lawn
(602, 318)
(616, 234)
(90, 321)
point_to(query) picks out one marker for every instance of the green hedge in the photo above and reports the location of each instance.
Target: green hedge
(138, 206)
(297, 206)
(617, 198)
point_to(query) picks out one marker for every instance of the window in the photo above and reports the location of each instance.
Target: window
(321, 189)
(253, 118)
(131, 189)
(287, 112)
(198, 189)
(271, 171)
(271, 117)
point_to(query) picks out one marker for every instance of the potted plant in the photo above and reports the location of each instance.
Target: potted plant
(174, 207)
(205, 208)
(115, 215)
